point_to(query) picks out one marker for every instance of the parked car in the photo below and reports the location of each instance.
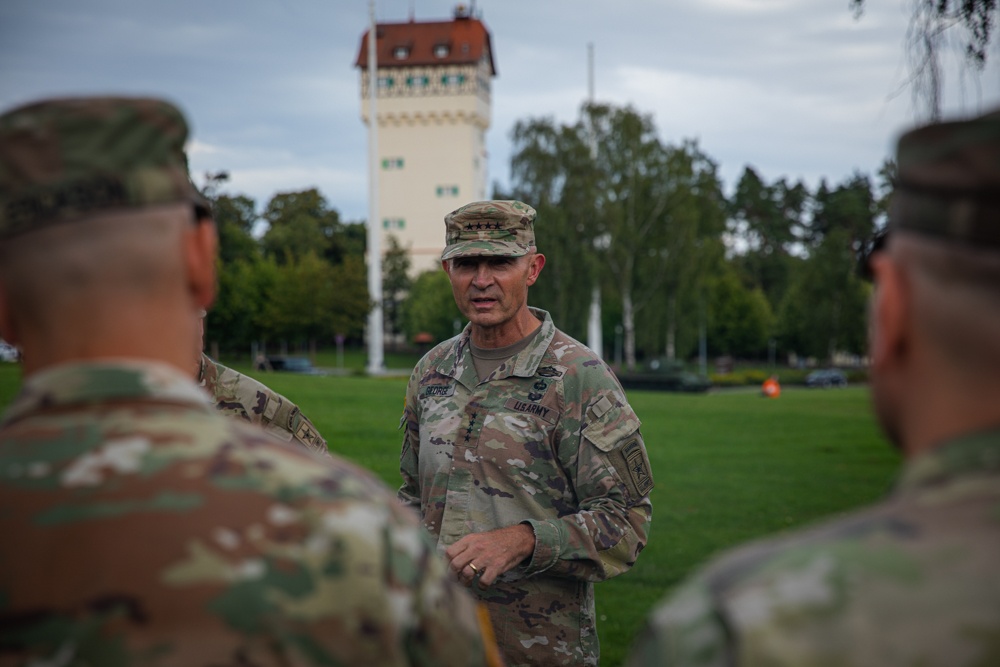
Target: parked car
(8, 352)
(829, 377)
(292, 365)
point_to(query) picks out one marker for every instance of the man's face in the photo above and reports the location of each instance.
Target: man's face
(490, 291)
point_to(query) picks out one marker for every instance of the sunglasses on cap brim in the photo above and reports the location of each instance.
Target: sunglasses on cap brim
(873, 245)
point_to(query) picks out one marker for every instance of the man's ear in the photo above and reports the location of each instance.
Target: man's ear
(890, 316)
(200, 250)
(537, 262)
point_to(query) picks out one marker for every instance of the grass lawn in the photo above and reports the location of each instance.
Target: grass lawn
(729, 466)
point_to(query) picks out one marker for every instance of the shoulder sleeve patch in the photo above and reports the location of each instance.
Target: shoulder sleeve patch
(632, 464)
(613, 428)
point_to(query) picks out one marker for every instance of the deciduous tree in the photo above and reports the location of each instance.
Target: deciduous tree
(932, 22)
(395, 284)
(430, 307)
(617, 207)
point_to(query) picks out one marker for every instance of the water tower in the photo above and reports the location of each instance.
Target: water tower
(433, 110)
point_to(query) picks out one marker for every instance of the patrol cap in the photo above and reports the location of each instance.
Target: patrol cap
(66, 159)
(490, 229)
(948, 181)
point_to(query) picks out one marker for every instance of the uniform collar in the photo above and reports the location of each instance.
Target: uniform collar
(81, 383)
(972, 453)
(458, 362)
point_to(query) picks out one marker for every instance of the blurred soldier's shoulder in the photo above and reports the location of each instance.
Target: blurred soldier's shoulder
(183, 524)
(238, 395)
(910, 580)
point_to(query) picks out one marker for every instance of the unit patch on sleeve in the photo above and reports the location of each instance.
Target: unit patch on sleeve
(633, 466)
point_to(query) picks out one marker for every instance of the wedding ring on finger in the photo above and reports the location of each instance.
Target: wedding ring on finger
(474, 568)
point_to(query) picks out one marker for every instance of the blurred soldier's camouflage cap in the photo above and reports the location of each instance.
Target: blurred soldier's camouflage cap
(64, 159)
(948, 182)
(490, 228)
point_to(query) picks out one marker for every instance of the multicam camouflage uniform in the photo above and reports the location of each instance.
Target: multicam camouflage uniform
(910, 581)
(548, 439)
(141, 527)
(237, 395)
(914, 580)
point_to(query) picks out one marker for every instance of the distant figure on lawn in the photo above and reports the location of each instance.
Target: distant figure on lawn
(915, 579)
(140, 526)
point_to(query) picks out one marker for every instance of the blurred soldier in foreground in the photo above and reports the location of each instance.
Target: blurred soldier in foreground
(140, 526)
(915, 579)
(521, 451)
(237, 395)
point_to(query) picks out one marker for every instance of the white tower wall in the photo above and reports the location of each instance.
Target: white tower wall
(432, 123)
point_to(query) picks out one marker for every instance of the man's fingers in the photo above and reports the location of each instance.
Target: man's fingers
(486, 577)
(468, 573)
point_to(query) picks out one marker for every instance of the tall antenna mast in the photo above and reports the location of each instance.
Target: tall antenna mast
(590, 72)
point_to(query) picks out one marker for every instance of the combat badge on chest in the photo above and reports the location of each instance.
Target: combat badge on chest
(538, 390)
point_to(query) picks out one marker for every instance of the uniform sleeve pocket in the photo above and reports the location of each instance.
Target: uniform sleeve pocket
(609, 423)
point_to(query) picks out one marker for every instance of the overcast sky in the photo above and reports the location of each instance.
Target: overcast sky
(795, 88)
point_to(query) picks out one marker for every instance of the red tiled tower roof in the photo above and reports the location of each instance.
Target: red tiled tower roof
(465, 40)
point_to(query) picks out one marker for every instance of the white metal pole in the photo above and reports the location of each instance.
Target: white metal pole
(376, 359)
(590, 71)
(595, 339)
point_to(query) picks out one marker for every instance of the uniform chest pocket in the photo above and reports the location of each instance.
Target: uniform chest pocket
(441, 417)
(519, 425)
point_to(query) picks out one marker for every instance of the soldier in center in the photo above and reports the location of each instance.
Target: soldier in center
(521, 452)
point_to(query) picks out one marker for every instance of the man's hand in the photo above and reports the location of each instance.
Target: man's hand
(488, 555)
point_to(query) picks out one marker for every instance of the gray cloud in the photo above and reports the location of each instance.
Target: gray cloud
(796, 88)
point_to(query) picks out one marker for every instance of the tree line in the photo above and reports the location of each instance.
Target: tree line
(302, 282)
(680, 267)
(767, 270)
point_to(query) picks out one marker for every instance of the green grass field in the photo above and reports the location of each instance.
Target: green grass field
(729, 466)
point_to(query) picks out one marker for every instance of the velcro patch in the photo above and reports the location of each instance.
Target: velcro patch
(439, 390)
(633, 466)
(540, 411)
(601, 407)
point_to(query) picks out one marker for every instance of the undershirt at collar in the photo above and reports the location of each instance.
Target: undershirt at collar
(488, 359)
